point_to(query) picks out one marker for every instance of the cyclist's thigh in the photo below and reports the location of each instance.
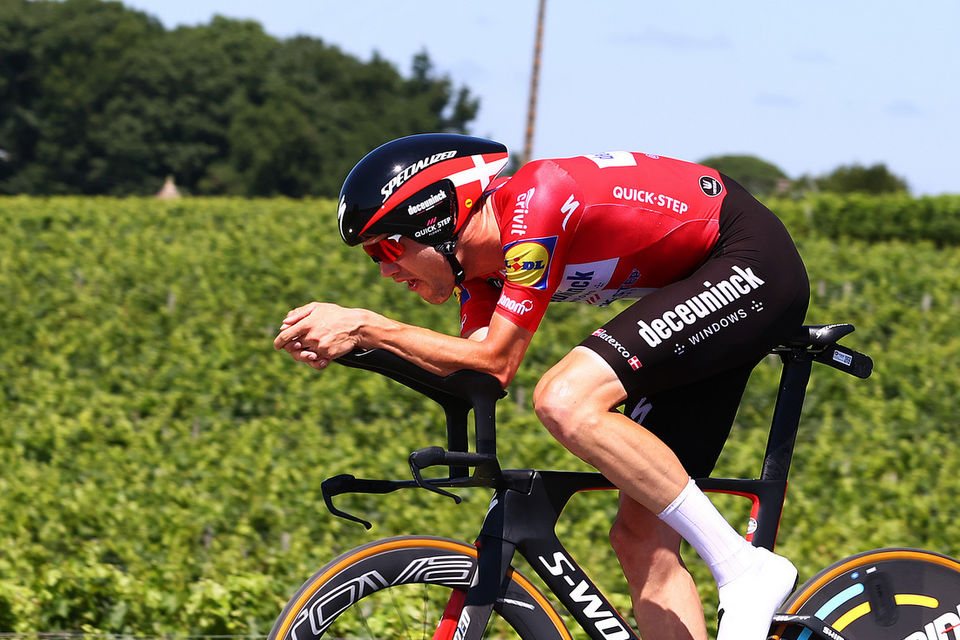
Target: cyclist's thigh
(694, 420)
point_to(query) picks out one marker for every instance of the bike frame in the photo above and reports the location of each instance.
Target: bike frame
(527, 503)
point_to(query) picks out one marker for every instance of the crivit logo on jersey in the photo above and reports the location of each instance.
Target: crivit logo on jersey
(406, 173)
(527, 262)
(713, 298)
(518, 225)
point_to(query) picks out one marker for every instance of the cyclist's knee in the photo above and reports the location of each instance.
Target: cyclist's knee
(558, 401)
(573, 395)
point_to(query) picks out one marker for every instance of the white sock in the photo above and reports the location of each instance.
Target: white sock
(692, 515)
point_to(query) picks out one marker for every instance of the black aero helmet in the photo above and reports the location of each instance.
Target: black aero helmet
(421, 187)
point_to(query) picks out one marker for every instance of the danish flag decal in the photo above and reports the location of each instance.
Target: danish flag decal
(482, 172)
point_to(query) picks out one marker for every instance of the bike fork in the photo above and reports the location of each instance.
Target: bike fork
(451, 616)
(467, 613)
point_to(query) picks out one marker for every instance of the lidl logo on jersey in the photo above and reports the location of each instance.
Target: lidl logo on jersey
(527, 262)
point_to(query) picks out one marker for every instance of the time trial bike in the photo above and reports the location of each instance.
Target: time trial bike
(389, 588)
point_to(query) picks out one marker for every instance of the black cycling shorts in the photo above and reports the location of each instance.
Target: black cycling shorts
(684, 352)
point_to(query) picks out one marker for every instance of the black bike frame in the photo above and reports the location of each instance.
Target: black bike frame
(525, 521)
(527, 503)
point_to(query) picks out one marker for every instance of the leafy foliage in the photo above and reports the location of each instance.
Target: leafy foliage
(875, 179)
(757, 176)
(161, 463)
(96, 98)
(873, 218)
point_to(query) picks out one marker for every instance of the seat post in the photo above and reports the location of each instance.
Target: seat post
(786, 415)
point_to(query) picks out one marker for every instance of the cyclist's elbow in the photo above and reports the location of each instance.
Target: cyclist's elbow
(502, 368)
(502, 346)
(501, 365)
(505, 376)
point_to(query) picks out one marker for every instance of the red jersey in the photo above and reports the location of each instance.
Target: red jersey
(594, 229)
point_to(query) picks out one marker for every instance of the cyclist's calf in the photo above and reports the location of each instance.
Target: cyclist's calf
(665, 599)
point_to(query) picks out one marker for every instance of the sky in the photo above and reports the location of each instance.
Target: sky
(807, 86)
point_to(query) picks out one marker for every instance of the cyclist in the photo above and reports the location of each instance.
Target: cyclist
(719, 282)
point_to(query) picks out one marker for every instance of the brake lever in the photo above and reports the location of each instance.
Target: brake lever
(487, 465)
(346, 483)
(428, 457)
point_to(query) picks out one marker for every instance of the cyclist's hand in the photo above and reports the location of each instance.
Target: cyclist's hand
(318, 333)
(296, 350)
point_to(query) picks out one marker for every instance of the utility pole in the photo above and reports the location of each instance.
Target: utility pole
(534, 82)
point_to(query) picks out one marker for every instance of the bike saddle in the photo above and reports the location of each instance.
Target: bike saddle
(820, 335)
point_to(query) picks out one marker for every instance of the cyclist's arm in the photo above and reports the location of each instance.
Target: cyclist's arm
(496, 349)
(318, 333)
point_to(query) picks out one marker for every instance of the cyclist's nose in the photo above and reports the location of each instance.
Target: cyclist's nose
(388, 269)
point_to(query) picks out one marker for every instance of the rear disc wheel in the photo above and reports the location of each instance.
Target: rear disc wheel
(895, 594)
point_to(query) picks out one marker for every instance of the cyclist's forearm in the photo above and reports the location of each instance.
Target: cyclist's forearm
(499, 353)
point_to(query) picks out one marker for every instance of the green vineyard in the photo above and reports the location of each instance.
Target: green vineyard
(160, 463)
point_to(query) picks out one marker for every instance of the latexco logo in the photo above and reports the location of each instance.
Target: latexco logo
(713, 298)
(632, 360)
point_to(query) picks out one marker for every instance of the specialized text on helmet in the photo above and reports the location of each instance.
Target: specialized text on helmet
(402, 176)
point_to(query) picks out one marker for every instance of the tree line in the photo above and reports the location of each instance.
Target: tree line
(97, 98)
(100, 99)
(766, 179)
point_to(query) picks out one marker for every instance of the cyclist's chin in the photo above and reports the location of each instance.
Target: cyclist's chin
(429, 293)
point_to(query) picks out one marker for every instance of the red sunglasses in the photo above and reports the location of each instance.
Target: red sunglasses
(387, 250)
